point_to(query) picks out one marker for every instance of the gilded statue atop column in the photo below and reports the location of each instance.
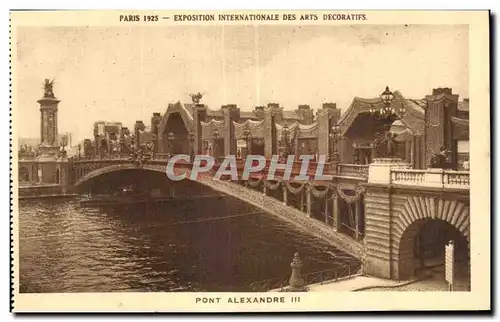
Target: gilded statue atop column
(49, 88)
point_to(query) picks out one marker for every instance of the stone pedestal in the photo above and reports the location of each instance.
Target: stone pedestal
(296, 282)
(48, 119)
(380, 170)
(48, 153)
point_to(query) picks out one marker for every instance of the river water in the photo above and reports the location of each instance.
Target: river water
(179, 246)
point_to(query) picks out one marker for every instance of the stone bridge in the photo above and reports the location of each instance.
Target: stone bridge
(376, 213)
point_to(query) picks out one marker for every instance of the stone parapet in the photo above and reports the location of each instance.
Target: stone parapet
(380, 170)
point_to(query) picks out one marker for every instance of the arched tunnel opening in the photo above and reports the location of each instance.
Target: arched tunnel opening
(422, 252)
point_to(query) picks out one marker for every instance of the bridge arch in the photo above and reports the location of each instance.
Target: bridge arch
(417, 212)
(118, 167)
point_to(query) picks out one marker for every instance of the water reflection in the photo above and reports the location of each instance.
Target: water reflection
(159, 247)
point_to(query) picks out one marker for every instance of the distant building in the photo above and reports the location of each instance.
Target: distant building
(25, 142)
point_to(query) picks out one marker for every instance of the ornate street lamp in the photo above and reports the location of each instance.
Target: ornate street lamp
(246, 135)
(387, 96)
(139, 158)
(387, 110)
(335, 138)
(215, 136)
(170, 139)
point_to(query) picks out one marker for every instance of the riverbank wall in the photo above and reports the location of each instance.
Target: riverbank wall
(44, 191)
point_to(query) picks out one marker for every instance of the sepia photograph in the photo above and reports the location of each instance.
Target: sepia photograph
(170, 153)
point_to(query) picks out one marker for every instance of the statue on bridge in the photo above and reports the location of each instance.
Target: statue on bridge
(196, 97)
(49, 88)
(441, 160)
(385, 148)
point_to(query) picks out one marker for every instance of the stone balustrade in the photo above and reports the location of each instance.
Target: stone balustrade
(408, 176)
(437, 178)
(353, 170)
(396, 171)
(456, 179)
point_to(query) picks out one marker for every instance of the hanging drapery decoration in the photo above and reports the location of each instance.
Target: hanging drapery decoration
(358, 193)
(272, 186)
(294, 190)
(317, 193)
(254, 183)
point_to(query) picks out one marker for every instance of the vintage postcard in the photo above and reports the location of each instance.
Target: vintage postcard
(250, 161)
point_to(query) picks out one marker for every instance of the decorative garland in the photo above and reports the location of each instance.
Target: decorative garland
(254, 183)
(293, 190)
(272, 186)
(359, 191)
(318, 193)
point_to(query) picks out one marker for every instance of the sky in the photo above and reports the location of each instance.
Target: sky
(127, 73)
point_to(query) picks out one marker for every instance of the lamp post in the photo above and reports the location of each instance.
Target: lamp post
(170, 139)
(191, 143)
(335, 138)
(215, 137)
(79, 151)
(246, 135)
(387, 111)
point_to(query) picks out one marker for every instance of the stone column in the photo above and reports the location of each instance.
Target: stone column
(308, 205)
(226, 131)
(357, 209)
(326, 210)
(441, 106)
(412, 152)
(323, 131)
(231, 114)
(269, 132)
(335, 211)
(326, 118)
(200, 115)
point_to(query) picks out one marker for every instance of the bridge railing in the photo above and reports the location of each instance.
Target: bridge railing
(452, 179)
(353, 170)
(346, 170)
(270, 284)
(438, 178)
(319, 277)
